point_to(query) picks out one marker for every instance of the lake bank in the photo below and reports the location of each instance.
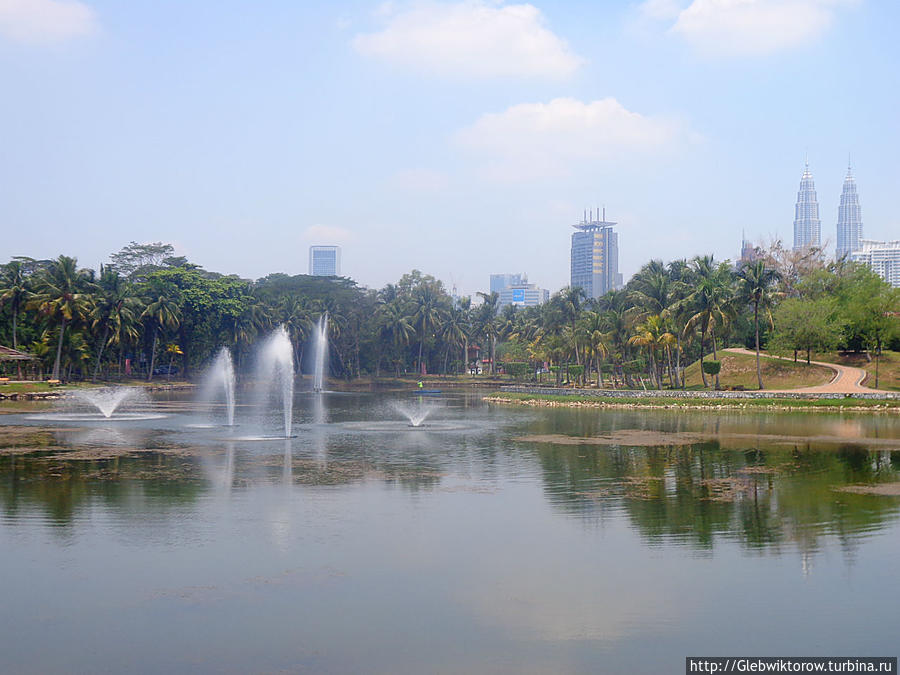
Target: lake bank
(695, 400)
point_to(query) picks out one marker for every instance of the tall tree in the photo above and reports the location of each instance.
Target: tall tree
(14, 293)
(60, 298)
(162, 314)
(756, 284)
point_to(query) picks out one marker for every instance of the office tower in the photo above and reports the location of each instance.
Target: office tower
(883, 257)
(595, 256)
(849, 224)
(749, 252)
(523, 295)
(501, 281)
(807, 226)
(325, 261)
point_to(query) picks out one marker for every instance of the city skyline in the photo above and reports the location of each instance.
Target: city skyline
(242, 138)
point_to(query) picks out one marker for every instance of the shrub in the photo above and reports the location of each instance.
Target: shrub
(712, 367)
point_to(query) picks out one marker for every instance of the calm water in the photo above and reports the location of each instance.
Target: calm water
(362, 545)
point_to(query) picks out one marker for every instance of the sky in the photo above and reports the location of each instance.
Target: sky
(457, 138)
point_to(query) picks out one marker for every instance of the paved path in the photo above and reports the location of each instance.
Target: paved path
(846, 379)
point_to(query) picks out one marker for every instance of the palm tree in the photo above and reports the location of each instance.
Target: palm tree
(487, 320)
(14, 292)
(161, 313)
(756, 282)
(711, 301)
(652, 335)
(428, 312)
(297, 317)
(394, 327)
(60, 298)
(571, 298)
(113, 307)
(453, 332)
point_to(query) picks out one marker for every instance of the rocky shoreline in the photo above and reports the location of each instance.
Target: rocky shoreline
(724, 404)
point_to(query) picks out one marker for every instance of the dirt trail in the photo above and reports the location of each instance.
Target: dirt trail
(846, 379)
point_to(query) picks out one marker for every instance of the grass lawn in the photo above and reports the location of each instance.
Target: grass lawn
(663, 401)
(740, 370)
(888, 368)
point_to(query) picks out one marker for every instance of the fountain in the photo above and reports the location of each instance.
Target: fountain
(104, 403)
(416, 415)
(321, 353)
(220, 377)
(276, 373)
(107, 399)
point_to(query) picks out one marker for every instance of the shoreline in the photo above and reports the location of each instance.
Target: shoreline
(686, 403)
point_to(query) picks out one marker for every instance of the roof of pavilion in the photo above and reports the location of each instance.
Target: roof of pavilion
(9, 354)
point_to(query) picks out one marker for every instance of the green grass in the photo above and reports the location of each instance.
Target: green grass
(665, 401)
(740, 370)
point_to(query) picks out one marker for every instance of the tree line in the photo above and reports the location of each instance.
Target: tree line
(152, 313)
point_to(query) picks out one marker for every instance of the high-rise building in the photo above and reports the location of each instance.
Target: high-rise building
(325, 261)
(807, 226)
(749, 252)
(523, 295)
(595, 256)
(501, 281)
(849, 224)
(883, 257)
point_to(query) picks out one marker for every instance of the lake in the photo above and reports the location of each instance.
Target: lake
(490, 539)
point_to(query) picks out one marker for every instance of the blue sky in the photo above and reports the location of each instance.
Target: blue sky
(459, 138)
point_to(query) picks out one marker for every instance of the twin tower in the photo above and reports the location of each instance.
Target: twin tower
(808, 227)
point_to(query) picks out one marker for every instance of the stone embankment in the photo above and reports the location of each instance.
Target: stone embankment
(551, 397)
(799, 395)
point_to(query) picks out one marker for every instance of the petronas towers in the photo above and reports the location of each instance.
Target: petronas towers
(849, 225)
(808, 226)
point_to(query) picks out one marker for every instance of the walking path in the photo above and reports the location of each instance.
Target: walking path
(847, 379)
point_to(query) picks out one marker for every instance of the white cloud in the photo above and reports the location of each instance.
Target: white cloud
(45, 21)
(470, 39)
(327, 234)
(534, 139)
(746, 27)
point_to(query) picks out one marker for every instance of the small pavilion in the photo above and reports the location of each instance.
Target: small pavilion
(10, 354)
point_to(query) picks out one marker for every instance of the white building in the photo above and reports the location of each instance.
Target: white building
(883, 257)
(325, 261)
(523, 295)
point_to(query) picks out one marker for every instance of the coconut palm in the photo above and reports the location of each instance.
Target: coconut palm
(162, 313)
(653, 336)
(395, 329)
(711, 302)
(114, 310)
(14, 292)
(756, 280)
(487, 320)
(60, 297)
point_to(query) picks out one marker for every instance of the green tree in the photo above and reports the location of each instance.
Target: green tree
(162, 314)
(14, 293)
(60, 298)
(756, 283)
(806, 325)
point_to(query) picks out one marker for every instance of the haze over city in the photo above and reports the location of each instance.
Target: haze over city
(457, 138)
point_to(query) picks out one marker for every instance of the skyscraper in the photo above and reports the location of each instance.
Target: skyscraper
(501, 281)
(595, 256)
(807, 226)
(325, 261)
(849, 224)
(883, 257)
